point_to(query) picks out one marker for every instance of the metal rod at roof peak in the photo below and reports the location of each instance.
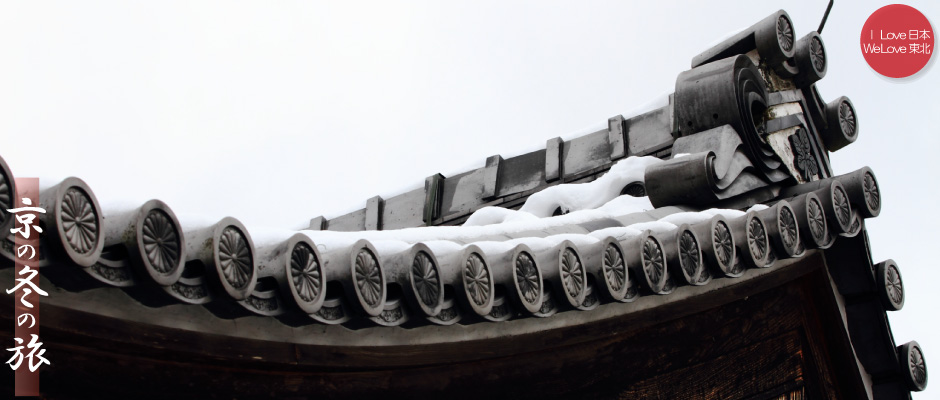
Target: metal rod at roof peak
(825, 17)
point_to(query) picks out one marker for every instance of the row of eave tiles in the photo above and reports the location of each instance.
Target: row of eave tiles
(340, 278)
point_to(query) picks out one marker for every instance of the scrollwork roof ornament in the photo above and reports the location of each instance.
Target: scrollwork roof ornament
(728, 92)
(773, 37)
(716, 168)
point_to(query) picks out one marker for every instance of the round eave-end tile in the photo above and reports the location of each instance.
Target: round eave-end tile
(528, 281)
(724, 248)
(573, 276)
(369, 280)
(478, 283)
(426, 282)
(161, 243)
(890, 285)
(305, 275)
(234, 259)
(79, 221)
(653, 263)
(913, 366)
(615, 271)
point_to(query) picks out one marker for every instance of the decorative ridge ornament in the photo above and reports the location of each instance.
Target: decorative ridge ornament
(803, 156)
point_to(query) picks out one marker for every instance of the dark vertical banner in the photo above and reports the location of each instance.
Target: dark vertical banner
(27, 354)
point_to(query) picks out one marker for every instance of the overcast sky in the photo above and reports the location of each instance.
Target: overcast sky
(276, 112)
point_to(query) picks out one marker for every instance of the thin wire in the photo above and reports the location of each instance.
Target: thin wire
(825, 17)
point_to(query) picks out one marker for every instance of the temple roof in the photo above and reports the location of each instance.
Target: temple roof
(725, 188)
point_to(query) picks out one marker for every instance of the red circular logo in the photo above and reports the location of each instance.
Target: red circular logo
(897, 41)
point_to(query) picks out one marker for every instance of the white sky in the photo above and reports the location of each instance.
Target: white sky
(276, 112)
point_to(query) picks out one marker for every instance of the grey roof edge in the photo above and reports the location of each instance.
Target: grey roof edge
(376, 293)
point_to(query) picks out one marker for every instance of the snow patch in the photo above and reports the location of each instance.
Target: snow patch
(496, 215)
(686, 218)
(584, 203)
(724, 212)
(758, 207)
(655, 226)
(620, 233)
(583, 196)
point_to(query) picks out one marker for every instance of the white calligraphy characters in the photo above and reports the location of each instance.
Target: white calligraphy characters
(34, 345)
(26, 217)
